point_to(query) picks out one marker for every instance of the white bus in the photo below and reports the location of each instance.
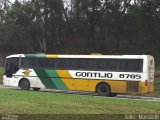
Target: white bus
(105, 74)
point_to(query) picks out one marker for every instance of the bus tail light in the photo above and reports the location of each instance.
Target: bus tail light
(146, 82)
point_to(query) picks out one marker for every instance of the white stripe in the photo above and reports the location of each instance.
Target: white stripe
(104, 75)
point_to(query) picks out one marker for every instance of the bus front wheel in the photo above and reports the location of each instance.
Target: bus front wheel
(24, 84)
(103, 89)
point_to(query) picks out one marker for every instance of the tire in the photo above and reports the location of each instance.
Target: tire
(24, 84)
(103, 89)
(36, 89)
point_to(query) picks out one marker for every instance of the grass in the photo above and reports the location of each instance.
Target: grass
(30, 102)
(1, 74)
(157, 88)
(1, 70)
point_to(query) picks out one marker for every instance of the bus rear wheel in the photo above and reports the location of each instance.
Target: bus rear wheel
(103, 89)
(36, 89)
(24, 84)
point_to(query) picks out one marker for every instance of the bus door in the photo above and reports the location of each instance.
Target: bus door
(11, 68)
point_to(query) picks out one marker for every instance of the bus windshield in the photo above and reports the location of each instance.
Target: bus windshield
(12, 66)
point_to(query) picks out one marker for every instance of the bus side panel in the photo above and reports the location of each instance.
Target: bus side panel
(10, 81)
(89, 84)
(67, 79)
(50, 79)
(28, 74)
(146, 87)
(82, 84)
(73, 83)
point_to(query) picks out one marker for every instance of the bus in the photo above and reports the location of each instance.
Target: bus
(106, 75)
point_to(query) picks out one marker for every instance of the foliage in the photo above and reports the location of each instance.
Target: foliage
(80, 27)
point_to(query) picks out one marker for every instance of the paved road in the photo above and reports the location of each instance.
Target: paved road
(120, 96)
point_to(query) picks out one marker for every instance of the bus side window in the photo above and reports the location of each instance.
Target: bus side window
(72, 64)
(61, 64)
(33, 63)
(46, 63)
(29, 63)
(81, 64)
(107, 64)
(130, 65)
(25, 63)
(91, 64)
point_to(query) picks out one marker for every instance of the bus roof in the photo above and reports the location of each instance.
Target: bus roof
(79, 56)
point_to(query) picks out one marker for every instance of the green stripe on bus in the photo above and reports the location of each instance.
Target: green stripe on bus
(57, 80)
(43, 76)
(50, 79)
(41, 55)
